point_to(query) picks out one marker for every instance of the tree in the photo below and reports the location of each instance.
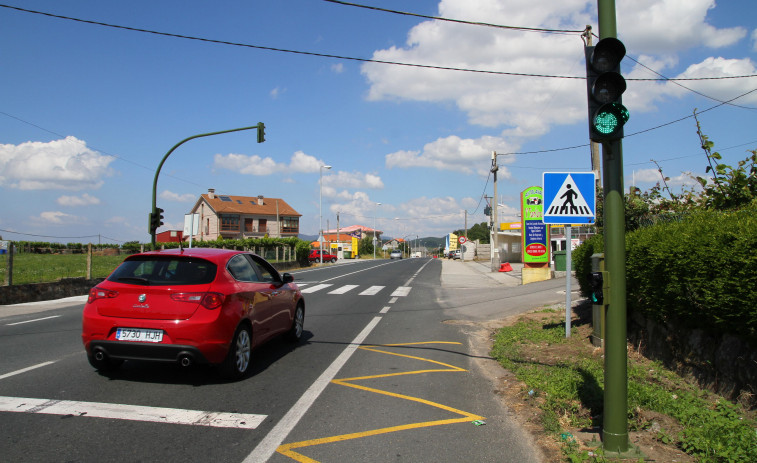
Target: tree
(479, 231)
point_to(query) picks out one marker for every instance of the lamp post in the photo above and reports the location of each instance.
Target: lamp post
(155, 216)
(320, 209)
(374, 230)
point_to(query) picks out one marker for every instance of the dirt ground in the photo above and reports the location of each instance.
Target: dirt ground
(515, 397)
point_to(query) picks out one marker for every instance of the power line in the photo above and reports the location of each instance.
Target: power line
(460, 21)
(326, 55)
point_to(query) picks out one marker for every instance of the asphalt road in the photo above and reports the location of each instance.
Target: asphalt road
(388, 371)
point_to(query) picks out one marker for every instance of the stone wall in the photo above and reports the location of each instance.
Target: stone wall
(67, 287)
(725, 364)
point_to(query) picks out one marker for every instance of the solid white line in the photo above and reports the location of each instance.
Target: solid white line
(273, 440)
(24, 370)
(131, 412)
(35, 320)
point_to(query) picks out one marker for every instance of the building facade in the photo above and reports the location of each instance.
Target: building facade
(241, 217)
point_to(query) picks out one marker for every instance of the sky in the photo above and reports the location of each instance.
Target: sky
(87, 110)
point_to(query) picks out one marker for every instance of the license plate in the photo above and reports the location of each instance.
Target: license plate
(139, 335)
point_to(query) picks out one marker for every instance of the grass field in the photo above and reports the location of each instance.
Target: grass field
(41, 268)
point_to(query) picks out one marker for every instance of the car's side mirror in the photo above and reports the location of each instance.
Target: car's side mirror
(287, 278)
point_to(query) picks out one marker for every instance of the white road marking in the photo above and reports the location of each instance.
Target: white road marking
(385, 309)
(401, 291)
(372, 291)
(315, 288)
(343, 289)
(273, 440)
(24, 370)
(131, 412)
(35, 320)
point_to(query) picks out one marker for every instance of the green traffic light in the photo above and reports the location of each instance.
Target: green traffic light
(610, 118)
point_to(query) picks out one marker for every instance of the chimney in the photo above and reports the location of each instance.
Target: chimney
(260, 200)
(211, 193)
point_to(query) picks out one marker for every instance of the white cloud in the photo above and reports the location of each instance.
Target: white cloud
(337, 68)
(176, 197)
(453, 153)
(353, 180)
(60, 164)
(527, 107)
(681, 24)
(276, 92)
(73, 201)
(754, 40)
(57, 218)
(256, 165)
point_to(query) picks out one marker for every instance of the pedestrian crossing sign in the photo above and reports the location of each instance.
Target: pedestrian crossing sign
(569, 197)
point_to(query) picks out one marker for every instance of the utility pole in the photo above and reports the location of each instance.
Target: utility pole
(495, 219)
(595, 167)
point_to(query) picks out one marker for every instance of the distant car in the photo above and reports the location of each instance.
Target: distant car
(450, 254)
(186, 306)
(456, 254)
(396, 254)
(315, 256)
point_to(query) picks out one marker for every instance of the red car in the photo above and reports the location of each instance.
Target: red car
(315, 256)
(205, 306)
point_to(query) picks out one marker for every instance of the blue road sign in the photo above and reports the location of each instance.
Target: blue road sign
(569, 197)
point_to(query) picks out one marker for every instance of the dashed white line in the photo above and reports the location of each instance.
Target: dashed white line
(35, 320)
(24, 370)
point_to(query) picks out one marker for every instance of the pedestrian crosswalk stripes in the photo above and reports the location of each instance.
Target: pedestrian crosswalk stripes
(307, 288)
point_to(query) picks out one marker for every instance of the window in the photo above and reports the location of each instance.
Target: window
(267, 272)
(164, 270)
(230, 223)
(290, 225)
(261, 225)
(248, 225)
(241, 269)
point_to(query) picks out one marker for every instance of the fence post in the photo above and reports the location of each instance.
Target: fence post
(9, 275)
(89, 261)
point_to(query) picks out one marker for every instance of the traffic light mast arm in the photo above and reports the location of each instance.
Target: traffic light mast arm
(261, 138)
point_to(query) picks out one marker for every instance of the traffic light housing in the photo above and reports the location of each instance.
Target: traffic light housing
(261, 132)
(596, 280)
(605, 86)
(156, 220)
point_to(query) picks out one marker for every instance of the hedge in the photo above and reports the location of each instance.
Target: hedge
(700, 272)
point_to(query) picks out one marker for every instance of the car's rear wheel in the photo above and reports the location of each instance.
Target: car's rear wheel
(237, 361)
(298, 324)
(333, 259)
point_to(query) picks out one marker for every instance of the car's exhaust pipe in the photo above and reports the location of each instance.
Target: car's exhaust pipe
(99, 355)
(186, 360)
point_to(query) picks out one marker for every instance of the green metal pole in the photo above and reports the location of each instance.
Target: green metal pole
(259, 126)
(615, 421)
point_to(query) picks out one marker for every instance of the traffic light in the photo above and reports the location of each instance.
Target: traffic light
(261, 132)
(596, 279)
(605, 85)
(156, 219)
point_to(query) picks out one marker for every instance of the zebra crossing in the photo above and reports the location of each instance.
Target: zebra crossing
(307, 288)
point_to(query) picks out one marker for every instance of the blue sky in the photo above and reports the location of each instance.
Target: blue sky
(88, 111)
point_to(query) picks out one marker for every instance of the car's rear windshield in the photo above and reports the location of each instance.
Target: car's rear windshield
(164, 270)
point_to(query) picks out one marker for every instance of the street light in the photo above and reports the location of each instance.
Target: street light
(155, 216)
(374, 230)
(320, 208)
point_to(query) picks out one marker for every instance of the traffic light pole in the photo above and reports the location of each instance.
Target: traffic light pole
(261, 138)
(615, 421)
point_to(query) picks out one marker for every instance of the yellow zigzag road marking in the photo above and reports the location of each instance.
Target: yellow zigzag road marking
(288, 449)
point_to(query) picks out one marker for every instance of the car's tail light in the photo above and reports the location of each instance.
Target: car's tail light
(207, 300)
(100, 293)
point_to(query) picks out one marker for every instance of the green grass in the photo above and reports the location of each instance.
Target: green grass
(41, 268)
(568, 389)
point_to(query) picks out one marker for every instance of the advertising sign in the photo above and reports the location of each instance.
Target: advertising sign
(535, 234)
